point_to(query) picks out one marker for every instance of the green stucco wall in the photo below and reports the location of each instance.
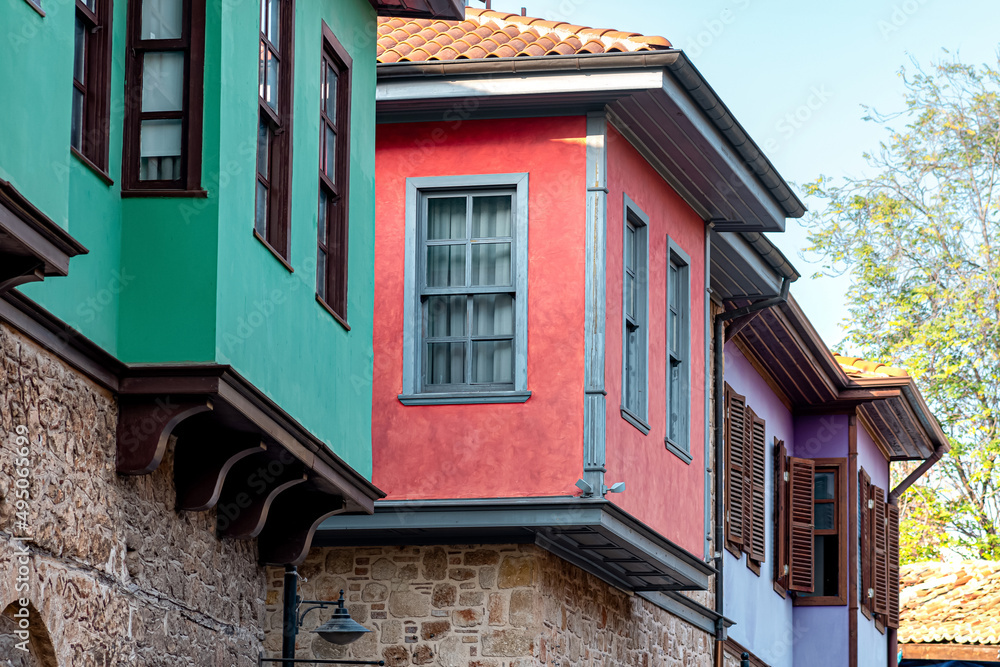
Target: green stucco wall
(171, 280)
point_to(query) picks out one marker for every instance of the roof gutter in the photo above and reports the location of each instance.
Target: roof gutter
(770, 254)
(674, 61)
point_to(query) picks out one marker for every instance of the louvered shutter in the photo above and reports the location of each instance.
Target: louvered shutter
(880, 552)
(892, 556)
(801, 479)
(758, 446)
(865, 537)
(735, 465)
(780, 514)
(748, 479)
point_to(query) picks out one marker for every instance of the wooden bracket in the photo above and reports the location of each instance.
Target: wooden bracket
(145, 425)
(203, 456)
(251, 488)
(20, 270)
(293, 519)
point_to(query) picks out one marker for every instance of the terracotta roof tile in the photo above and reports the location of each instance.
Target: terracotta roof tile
(488, 34)
(950, 602)
(862, 368)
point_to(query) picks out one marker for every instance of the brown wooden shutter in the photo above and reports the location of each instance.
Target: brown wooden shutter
(801, 480)
(892, 556)
(758, 447)
(780, 514)
(880, 568)
(735, 465)
(865, 541)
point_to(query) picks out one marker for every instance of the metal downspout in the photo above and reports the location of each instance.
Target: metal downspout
(719, 382)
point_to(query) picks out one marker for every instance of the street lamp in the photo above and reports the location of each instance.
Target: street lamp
(341, 629)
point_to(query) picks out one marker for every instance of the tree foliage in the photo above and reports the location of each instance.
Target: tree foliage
(920, 236)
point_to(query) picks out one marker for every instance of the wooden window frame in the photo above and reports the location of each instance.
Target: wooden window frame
(638, 414)
(780, 515)
(680, 354)
(839, 467)
(95, 87)
(415, 392)
(331, 284)
(192, 44)
(278, 221)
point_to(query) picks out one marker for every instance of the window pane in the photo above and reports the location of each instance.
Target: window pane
(445, 363)
(446, 316)
(675, 287)
(673, 410)
(824, 488)
(274, 22)
(446, 218)
(321, 226)
(632, 368)
(823, 516)
(331, 154)
(445, 265)
(674, 330)
(91, 4)
(491, 216)
(268, 77)
(79, 49)
(263, 146)
(493, 315)
(493, 361)
(162, 19)
(825, 565)
(163, 81)
(160, 150)
(260, 218)
(630, 296)
(491, 264)
(630, 249)
(76, 124)
(321, 274)
(331, 94)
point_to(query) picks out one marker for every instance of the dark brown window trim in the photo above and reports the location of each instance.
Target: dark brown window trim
(277, 255)
(38, 9)
(840, 464)
(192, 114)
(100, 173)
(193, 194)
(278, 230)
(336, 245)
(96, 84)
(330, 310)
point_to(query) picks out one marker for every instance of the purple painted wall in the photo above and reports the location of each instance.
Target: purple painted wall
(763, 618)
(821, 637)
(872, 648)
(820, 437)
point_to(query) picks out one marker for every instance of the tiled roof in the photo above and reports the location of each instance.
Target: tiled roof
(489, 34)
(862, 368)
(950, 603)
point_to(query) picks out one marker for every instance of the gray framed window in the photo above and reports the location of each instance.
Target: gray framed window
(635, 317)
(678, 382)
(466, 288)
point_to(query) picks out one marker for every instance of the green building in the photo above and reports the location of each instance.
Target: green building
(187, 215)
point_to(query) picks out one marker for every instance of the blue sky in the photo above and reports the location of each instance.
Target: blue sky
(796, 75)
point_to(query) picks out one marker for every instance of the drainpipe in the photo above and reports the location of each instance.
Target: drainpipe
(719, 341)
(939, 451)
(290, 625)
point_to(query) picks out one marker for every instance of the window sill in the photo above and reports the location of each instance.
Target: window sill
(100, 173)
(274, 252)
(634, 420)
(677, 451)
(820, 601)
(333, 313)
(470, 398)
(143, 192)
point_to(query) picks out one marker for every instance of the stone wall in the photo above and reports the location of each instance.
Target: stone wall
(117, 576)
(482, 606)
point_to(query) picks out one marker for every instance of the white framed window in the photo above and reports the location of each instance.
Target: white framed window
(635, 317)
(678, 337)
(466, 289)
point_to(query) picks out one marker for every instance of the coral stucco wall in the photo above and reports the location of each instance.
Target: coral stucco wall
(494, 450)
(661, 490)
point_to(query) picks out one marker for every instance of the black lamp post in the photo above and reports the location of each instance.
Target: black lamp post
(341, 629)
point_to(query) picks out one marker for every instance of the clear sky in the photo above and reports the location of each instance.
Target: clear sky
(796, 74)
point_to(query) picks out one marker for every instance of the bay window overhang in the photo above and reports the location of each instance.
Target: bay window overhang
(657, 100)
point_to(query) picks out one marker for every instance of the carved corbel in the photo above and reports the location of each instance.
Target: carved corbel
(203, 456)
(292, 520)
(144, 427)
(250, 490)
